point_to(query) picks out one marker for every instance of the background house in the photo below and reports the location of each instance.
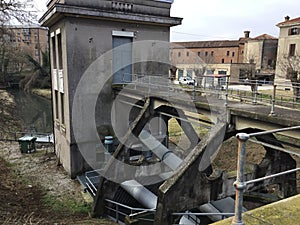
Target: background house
(262, 51)
(288, 55)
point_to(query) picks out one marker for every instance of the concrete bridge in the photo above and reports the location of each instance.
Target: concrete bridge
(187, 182)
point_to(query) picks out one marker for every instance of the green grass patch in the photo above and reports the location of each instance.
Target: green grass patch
(63, 204)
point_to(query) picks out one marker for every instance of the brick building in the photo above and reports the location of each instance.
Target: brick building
(31, 39)
(255, 56)
(210, 57)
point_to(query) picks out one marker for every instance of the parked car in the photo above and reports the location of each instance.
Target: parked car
(186, 80)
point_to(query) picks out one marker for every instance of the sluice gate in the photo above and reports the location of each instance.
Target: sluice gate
(149, 181)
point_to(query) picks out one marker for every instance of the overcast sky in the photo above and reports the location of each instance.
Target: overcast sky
(225, 19)
(228, 19)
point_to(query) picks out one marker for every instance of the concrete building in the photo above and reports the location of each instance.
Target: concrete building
(288, 47)
(262, 51)
(80, 32)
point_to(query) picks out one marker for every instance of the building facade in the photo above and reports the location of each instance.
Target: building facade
(27, 39)
(221, 57)
(262, 51)
(82, 31)
(288, 48)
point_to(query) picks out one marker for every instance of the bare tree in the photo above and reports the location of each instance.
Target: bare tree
(290, 65)
(15, 11)
(12, 12)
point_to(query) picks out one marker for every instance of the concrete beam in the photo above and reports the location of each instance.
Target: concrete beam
(58, 10)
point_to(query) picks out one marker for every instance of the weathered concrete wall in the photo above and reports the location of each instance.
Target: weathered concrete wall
(182, 192)
(134, 6)
(284, 42)
(86, 28)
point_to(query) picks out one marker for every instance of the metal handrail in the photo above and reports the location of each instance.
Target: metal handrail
(133, 211)
(240, 184)
(129, 207)
(223, 90)
(90, 185)
(203, 214)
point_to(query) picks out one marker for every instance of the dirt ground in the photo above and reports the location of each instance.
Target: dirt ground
(34, 190)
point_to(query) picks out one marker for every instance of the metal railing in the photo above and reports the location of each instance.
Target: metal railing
(240, 185)
(92, 181)
(253, 91)
(118, 211)
(193, 216)
(14, 136)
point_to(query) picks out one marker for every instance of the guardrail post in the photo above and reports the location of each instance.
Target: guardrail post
(239, 184)
(226, 94)
(149, 85)
(272, 113)
(169, 87)
(255, 92)
(194, 90)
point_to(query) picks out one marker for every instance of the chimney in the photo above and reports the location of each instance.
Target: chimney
(287, 18)
(247, 34)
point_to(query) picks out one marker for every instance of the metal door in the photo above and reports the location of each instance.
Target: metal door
(122, 60)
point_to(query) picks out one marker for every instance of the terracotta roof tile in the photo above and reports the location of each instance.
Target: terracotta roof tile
(264, 36)
(295, 20)
(207, 44)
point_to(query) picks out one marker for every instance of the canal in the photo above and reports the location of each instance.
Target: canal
(34, 111)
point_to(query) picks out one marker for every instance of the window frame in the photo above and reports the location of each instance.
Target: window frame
(292, 50)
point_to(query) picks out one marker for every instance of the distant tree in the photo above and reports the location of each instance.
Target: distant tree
(15, 11)
(40, 76)
(290, 65)
(12, 12)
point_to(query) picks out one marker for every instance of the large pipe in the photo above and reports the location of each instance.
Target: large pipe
(140, 193)
(162, 152)
(137, 190)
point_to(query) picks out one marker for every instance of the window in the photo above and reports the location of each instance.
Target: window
(231, 61)
(292, 49)
(223, 60)
(228, 53)
(189, 73)
(187, 54)
(53, 52)
(212, 53)
(232, 54)
(180, 73)
(179, 54)
(206, 53)
(26, 31)
(59, 46)
(199, 54)
(294, 31)
(62, 108)
(56, 104)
